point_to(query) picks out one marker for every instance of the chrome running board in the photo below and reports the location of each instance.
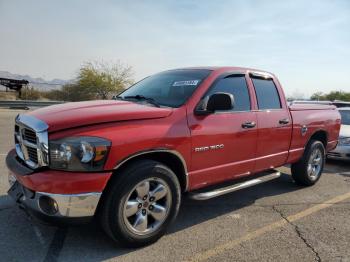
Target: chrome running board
(235, 187)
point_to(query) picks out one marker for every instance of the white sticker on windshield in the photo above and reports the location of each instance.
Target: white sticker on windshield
(186, 83)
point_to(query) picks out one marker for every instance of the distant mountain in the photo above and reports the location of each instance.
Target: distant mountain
(38, 82)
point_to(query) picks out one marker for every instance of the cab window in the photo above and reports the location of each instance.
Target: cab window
(237, 86)
(267, 94)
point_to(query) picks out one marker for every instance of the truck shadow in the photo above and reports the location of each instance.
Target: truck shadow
(194, 212)
(89, 243)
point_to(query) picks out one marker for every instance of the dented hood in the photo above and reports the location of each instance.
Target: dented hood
(76, 114)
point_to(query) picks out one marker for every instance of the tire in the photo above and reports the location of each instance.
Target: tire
(133, 226)
(308, 170)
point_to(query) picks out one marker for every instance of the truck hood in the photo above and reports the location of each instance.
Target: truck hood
(76, 114)
(345, 130)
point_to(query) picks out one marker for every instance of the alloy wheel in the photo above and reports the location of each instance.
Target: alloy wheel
(315, 164)
(147, 206)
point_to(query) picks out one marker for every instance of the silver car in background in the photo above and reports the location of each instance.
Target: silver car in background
(342, 151)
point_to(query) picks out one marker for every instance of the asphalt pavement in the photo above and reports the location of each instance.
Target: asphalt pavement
(274, 221)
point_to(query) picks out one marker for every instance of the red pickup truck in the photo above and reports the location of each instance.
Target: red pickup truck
(128, 161)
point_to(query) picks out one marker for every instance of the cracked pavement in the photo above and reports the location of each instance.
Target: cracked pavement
(201, 226)
(298, 232)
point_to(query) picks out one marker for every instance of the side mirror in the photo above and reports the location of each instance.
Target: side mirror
(215, 102)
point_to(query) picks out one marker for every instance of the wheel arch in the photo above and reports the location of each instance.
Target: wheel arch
(168, 157)
(320, 135)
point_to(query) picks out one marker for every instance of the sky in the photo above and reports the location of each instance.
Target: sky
(305, 43)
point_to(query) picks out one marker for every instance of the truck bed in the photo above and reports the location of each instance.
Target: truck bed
(307, 120)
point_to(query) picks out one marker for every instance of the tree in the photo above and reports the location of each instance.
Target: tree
(95, 80)
(317, 96)
(101, 80)
(339, 95)
(30, 93)
(331, 96)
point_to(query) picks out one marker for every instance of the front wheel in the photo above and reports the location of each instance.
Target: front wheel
(308, 170)
(141, 204)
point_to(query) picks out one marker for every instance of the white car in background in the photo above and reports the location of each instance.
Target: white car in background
(342, 151)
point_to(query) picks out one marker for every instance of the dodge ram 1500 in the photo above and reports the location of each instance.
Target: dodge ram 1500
(128, 161)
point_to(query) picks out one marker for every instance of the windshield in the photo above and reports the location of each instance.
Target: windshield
(345, 117)
(169, 88)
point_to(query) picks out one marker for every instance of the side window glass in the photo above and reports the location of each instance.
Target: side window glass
(237, 86)
(266, 93)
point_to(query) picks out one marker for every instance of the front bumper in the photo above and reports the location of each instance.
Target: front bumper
(340, 152)
(55, 195)
(55, 207)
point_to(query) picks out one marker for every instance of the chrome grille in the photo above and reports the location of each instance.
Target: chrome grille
(31, 141)
(33, 154)
(27, 142)
(29, 135)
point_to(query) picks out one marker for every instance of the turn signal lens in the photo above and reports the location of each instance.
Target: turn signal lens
(100, 153)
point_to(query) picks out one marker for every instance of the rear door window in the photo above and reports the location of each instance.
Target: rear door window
(266, 93)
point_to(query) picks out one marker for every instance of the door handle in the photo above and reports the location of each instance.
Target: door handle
(249, 124)
(284, 121)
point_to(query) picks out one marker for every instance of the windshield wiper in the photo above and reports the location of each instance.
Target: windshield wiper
(141, 97)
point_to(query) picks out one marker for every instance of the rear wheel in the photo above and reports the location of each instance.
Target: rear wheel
(141, 204)
(308, 170)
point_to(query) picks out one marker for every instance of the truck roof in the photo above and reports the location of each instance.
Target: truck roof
(227, 68)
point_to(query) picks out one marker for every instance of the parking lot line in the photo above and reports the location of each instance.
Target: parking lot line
(254, 234)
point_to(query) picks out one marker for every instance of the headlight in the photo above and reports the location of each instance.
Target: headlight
(344, 141)
(83, 153)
